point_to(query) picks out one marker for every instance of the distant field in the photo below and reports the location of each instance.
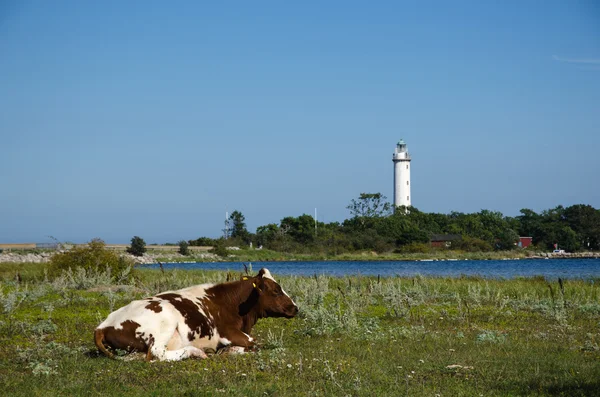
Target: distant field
(118, 247)
(19, 246)
(123, 247)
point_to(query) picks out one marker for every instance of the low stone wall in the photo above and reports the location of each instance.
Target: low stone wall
(567, 255)
(25, 258)
(206, 256)
(147, 258)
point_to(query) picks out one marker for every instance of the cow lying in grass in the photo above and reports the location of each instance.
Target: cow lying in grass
(179, 324)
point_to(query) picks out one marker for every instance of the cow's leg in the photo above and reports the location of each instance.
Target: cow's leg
(236, 342)
(226, 351)
(163, 354)
(159, 348)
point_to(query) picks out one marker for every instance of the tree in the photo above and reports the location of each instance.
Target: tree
(368, 210)
(497, 229)
(138, 246)
(238, 226)
(423, 221)
(301, 229)
(266, 234)
(585, 221)
(400, 228)
(551, 227)
(370, 205)
(184, 248)
(529, 222)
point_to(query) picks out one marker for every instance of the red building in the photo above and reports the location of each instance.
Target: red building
(525, 242)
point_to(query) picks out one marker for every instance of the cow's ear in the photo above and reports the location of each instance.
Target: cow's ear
(259, 284)
(265, 273)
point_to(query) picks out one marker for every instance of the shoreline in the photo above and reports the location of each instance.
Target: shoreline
(251, 256)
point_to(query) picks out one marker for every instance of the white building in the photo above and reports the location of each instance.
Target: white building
(401, 160)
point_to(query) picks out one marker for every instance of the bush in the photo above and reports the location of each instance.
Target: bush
(415, 248)
(202, 241)
(219, 248)
(184, 248)
(138, 246)
(471, 244)
(94, 257)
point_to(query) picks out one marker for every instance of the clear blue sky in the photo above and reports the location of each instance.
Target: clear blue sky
(152, 118)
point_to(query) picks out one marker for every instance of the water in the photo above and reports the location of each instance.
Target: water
(549, 268)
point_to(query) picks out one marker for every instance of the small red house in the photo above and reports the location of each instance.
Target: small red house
(525, 242)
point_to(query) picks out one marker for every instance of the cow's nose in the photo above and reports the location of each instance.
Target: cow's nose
(295, 310)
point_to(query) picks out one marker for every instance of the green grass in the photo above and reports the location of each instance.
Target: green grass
(27, 271)
(354, 336)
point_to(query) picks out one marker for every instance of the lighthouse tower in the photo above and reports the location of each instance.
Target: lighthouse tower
(401, 160)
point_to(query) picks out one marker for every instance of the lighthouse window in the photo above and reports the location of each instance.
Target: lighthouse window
(406, 166)
(407, 198)
(407, 182)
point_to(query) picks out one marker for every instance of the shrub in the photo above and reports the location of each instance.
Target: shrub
(138, 246)
(184, 248)
(415, 248)
(202, 241)
(219, 248)
(94, 257)
(84, 279)
(491, 337)
(472, 244)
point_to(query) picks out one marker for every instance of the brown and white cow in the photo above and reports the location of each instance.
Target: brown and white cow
(179, 324)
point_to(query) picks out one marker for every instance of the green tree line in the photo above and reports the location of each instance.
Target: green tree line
(373, 225)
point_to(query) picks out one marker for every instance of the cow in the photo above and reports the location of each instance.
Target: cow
(175, 325)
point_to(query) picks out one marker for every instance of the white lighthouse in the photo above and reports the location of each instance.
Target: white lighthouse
(401, 160)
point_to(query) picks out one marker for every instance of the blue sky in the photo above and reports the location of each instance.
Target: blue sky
(152, 118)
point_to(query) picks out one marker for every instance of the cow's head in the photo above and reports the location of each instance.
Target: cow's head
(273, 300)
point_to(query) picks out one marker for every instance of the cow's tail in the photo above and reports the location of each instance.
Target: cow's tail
(99, 339)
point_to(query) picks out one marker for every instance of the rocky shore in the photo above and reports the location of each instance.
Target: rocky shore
(138, 260)
(153, 257)
(566, 255)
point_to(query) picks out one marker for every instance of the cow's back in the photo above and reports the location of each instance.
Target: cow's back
(176, 318)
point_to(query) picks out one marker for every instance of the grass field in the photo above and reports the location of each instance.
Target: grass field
(356, 336)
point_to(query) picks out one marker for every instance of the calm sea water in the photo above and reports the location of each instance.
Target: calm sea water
(549, 268)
